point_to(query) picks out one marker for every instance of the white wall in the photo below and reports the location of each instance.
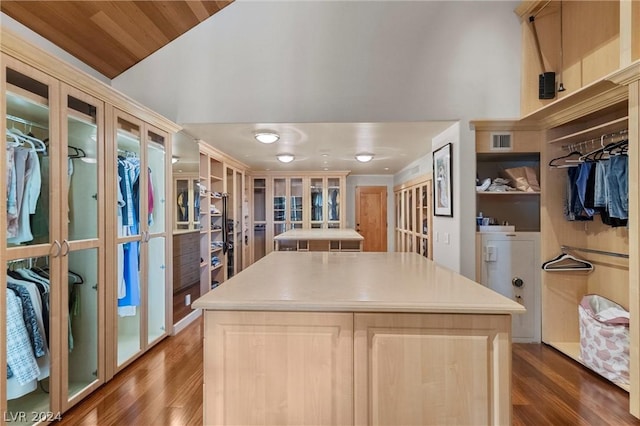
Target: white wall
(449, 242)
(34, 38)
(337, 61)
(371, 180)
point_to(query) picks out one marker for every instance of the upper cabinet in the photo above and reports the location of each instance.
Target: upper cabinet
(580, 41)
(80, 236)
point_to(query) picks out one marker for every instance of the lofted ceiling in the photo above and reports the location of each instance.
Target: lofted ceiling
(111, 36)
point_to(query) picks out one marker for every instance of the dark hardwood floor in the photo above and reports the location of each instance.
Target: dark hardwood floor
(164, 387)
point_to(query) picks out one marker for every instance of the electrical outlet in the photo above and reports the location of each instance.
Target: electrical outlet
(187, 300)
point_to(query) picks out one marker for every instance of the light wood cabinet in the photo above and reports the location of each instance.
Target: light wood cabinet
(413, 216)
(68, 128)
(186, 201)
(602, 82)
(224, 217)
(286, 368)
(278, 368)
(296, 200)
(140, 162)
(431, 369)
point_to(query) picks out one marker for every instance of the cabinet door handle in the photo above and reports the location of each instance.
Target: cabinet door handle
(65, 243)
(57, 244)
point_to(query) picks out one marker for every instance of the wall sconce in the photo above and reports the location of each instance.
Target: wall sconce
(364, 158)
(174, 160)
(285, 158)
(266, 136)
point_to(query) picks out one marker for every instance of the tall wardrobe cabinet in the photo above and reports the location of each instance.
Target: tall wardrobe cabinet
(66, 135)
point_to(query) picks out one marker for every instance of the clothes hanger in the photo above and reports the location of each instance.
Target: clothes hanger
(589, 155)
(569, 158)
(567, 262)
(41, 147)
(78, 152)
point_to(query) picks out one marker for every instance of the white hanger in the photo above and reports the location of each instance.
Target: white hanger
(19, 140)
(567, 262)
(41, 147)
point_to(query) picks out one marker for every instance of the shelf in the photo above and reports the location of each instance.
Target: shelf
(214, 268)
(203, 264)
(216, 250)
(594, 132)
(506, 193)
(215, 177)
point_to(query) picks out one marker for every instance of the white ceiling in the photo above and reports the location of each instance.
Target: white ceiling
(325, 146)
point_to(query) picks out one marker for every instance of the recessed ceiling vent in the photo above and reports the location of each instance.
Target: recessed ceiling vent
(501, 142)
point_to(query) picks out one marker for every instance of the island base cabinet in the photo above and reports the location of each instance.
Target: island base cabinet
(278, 368)
(324, 368)
(432, 369)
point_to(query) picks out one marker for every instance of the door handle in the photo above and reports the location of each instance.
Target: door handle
(57, 244)
(65, 243)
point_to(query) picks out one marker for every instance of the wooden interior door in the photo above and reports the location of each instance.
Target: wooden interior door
(371, 216)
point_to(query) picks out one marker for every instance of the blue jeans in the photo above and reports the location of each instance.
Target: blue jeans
(618, 186)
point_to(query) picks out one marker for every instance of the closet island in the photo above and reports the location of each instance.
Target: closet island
(355, 338)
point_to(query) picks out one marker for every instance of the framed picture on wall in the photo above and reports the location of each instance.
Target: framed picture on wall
(442, 183)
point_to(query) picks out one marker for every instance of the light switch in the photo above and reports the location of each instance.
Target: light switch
(490, 254)
(446, 238)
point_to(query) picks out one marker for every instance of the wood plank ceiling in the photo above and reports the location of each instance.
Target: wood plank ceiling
(111, 36)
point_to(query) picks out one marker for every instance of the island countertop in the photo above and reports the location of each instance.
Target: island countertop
(354, 282)
(319, 234)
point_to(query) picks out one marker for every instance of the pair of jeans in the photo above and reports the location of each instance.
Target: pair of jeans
(618, 187)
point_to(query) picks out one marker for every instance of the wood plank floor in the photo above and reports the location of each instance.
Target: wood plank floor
(164, 387)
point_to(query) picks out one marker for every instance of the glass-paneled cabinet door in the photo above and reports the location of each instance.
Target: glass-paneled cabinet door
(333, 202)
(32, 146)
(279, 205)
(259, 218)
(153, 204)
(31, 103)
(195, 202)
(83, 225)
(128, 199)
(182, 206)
(317, 202)
(296, 206)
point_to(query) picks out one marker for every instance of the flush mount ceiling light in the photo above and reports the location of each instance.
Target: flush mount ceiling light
(364, 158)
(285, 158)
(266, 136)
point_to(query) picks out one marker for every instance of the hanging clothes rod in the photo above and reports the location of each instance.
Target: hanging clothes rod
(586, 250)
(577, 145)
(25, 122)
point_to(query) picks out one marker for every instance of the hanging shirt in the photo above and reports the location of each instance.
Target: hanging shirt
(32, 187)
(20, 360)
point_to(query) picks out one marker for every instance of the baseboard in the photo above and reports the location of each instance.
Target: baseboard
(184, 322)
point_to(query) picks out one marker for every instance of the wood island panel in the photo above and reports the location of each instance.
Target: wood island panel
(416, 369)
(278, 368)
(355, 338)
